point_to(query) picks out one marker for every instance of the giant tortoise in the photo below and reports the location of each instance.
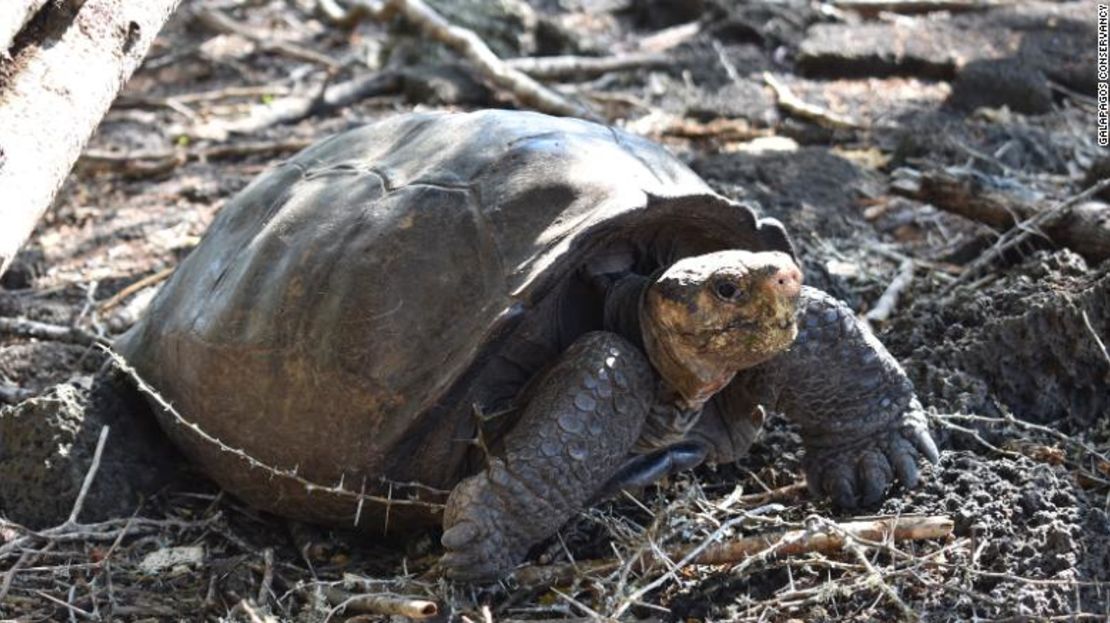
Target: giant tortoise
(527, 312)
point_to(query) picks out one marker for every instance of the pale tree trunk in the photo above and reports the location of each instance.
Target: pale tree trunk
(13, 15)
(54, 92)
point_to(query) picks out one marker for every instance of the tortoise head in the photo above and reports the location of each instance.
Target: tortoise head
(708, 316)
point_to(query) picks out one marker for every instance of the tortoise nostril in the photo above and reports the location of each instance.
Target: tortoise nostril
(787, 281)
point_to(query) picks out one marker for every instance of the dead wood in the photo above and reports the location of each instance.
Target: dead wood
(21, 327)
(657, 124)
(139, 164)
(794, 105)
(384, 604)
(887, 303)
(791, 492)
(143, 101)
(580, 67)
(141, 284)
(61, 87)
(872, 8)
(219, 22)
(670, 37)
(1083, 226)
(523, 88)
(294, 108)
(14, 15)
(824, 538)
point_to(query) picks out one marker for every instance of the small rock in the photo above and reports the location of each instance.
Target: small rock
(171, 557)
(1003, 82)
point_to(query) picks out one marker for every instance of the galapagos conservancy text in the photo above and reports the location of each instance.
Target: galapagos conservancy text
(1102, 76)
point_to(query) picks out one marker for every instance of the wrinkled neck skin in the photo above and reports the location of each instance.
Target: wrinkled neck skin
(692, 380)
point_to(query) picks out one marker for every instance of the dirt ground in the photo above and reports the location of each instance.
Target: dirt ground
(1006, 343)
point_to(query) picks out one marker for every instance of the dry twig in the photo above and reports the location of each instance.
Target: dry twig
(782, 494)
(886, 304)
(219, 22)
(21, 327)
(132, 288)
(872, 8)
(794, 105)
(383, 603)
(90, 475)
(138, 164)
(296, 107)
(524, 89)
(1098, 341)
(564, 67)
(1084, 227)
(788, 543)
(1034, 225)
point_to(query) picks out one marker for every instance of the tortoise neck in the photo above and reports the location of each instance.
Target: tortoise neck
(622, 306)
(689, 381)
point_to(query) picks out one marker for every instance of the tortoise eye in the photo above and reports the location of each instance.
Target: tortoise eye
(727, 290)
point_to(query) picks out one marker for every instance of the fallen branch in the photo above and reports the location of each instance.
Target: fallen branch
(785, 543)
(1077, 224)
(565, 67)
(294, 108)
(153, 163)
(141, 284)
(886, 304)
(524, 89)
(383, 604)
(218, 21)
(872, 8)
(657, 124)
(60, 89)
(145, 101)
(671, 37)
(796, 106)
(21, 327)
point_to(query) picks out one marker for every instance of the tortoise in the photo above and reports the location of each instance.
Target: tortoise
(491, 319)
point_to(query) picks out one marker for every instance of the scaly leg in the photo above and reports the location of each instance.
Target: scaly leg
(861, 422)
(583, 418)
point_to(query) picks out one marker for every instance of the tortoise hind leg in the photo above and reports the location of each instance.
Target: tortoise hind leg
(584, 416)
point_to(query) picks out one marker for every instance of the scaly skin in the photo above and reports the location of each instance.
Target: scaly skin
(574, 434)
(860, 421)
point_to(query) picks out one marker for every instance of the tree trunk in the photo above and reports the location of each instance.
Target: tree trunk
(14, 14)
(53, 94)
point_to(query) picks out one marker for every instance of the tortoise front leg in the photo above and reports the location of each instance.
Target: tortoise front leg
(861, 422)
(574, 434)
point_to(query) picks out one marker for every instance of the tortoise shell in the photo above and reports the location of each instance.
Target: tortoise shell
(340, 311)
